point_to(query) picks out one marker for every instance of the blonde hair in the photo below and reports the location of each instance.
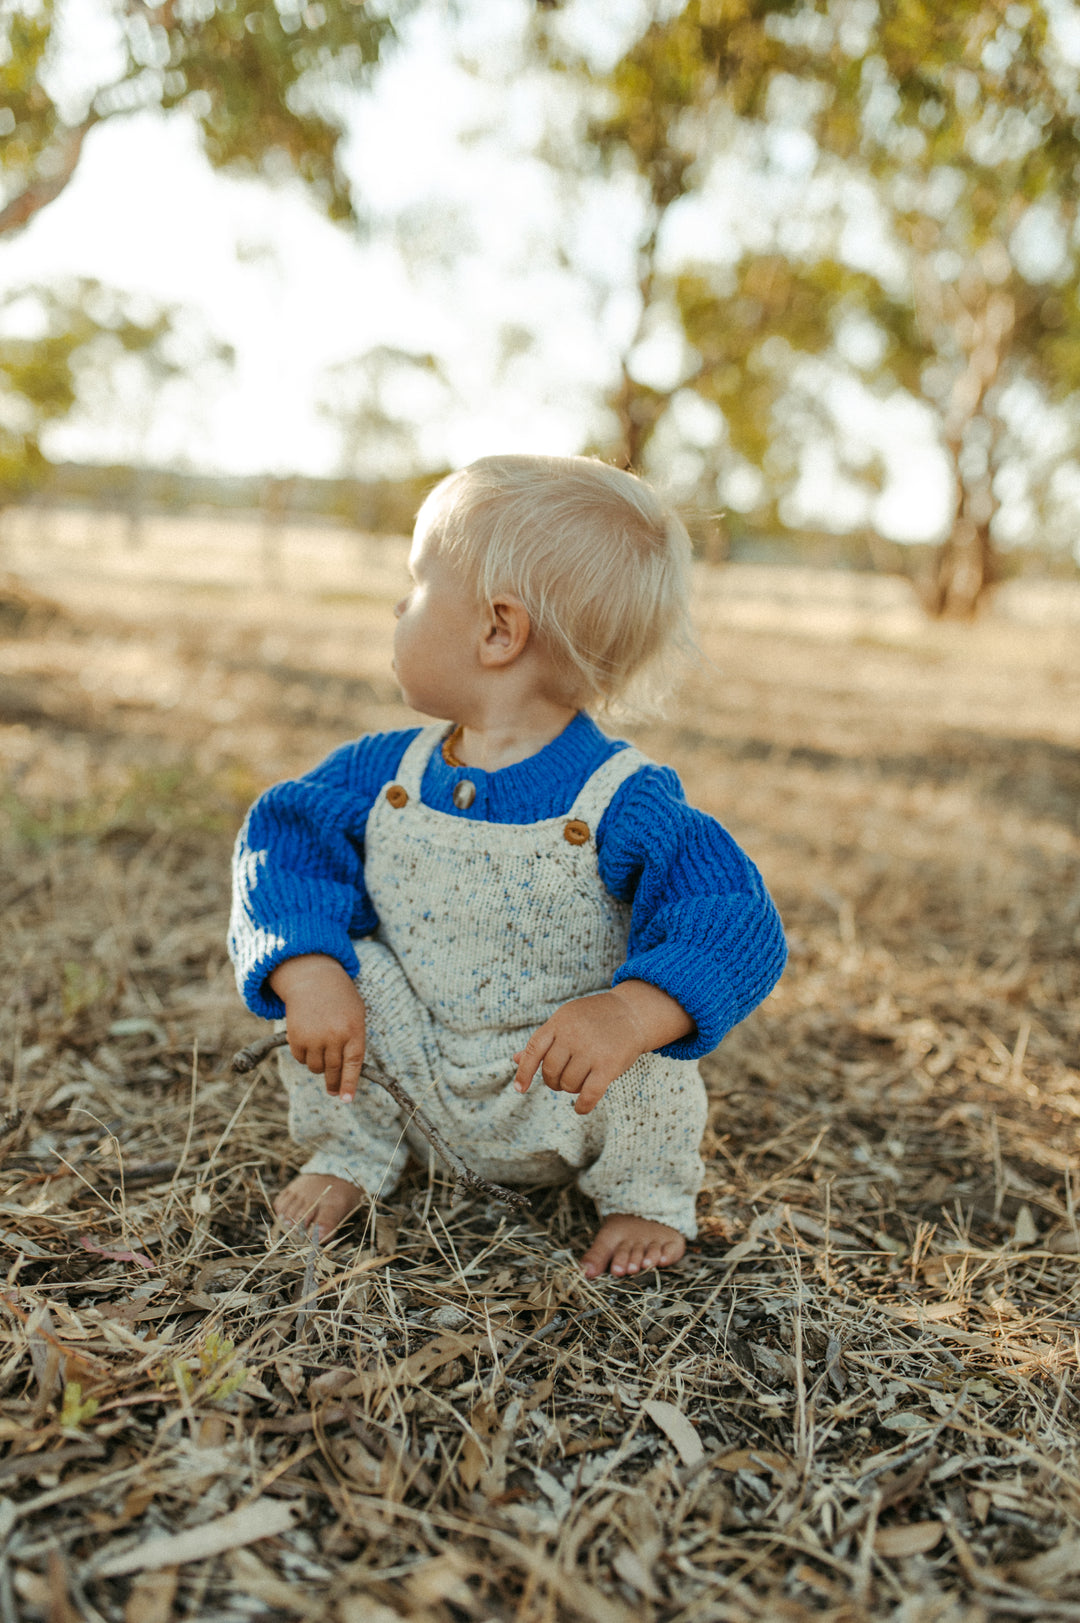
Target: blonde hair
(602, 567)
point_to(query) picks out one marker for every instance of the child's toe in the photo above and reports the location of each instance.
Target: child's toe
(630, 1258)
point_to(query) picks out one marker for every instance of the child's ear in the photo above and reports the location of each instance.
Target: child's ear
(506, 631)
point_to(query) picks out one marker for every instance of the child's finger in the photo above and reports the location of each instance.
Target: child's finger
(575, 1074)
(528, 1061)
(556, 1060)
(595, 1086)
(351, 1066)
(332, 1071)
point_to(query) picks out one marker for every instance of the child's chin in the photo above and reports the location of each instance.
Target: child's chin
(426, 705)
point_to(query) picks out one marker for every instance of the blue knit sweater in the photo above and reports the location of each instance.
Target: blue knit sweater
(703, 927)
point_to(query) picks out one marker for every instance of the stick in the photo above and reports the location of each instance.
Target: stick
(254, 1054)
(248, 1058)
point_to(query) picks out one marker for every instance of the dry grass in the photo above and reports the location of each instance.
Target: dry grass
(856, 1398)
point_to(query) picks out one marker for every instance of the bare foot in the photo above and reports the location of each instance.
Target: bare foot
(632, 1245)
(318, 1202)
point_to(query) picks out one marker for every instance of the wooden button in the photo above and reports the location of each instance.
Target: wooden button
(575, 833)
(463, 794)
(397, 796)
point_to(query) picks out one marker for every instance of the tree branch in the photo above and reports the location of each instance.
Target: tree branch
(248, 1058)
(41, 192)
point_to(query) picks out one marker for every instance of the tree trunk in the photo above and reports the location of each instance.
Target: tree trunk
(637, 409)
(962, 573)
(965, 565)
(63, 161)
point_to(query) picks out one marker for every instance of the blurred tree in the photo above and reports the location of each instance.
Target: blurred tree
(925, 245)
(375, 402)
(260, 79)
(62, 348)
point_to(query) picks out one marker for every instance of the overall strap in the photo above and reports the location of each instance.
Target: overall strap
(597, 791)
(411, 771)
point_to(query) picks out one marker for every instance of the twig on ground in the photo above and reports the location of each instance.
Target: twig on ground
(248, 1058)
(307, 1288)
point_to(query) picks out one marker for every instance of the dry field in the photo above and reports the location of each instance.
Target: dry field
(857, 1397)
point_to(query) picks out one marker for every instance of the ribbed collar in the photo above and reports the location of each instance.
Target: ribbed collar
(544, 784)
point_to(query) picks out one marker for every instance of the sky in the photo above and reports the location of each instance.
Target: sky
(461, 221)
(463, 257)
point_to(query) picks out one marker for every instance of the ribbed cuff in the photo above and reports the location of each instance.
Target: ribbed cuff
(710, 1005)
(293, 939)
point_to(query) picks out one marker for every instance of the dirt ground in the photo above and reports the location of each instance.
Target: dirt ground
(857, 1397)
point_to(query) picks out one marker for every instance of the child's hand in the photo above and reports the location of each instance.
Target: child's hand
(326, 1020)
(589, 1042)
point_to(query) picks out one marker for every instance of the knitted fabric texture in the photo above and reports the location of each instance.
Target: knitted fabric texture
(483, 933)
(702, 925)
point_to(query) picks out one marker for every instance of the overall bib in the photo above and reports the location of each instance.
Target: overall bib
(485, 929)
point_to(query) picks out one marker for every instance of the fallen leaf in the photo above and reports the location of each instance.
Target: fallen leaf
(33, 1587)
(744, 1248)
(442, 1579)
(1051, 1567)
(138, 1026)
(363, 1608)
(419, 1366)
(834, 1366)
(357, 1462)
(911, 1538)
(21, 1242)
(255, 1579)
(265, 1518)
(628, 1566)
(329, 1383)
(493, 1477)
(60, 1607)
(117, 1256)
(1024, 1230)
(150, 1599)
(291, 1375)
(484, 1421)
(675, 1426)
(449, 1317)
(752, 1459)
(906, 1420)
(773, 1359)
(931, 1312)
(761, 1225)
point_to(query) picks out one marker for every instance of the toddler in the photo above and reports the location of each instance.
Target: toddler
(517, 916)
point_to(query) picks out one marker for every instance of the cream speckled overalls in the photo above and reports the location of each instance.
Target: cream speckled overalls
(485, 929)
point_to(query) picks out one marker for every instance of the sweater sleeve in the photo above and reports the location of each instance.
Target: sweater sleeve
(298, 867)
(703, 927)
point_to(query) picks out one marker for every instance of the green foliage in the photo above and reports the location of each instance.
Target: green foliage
(674, 70)
(263, 81)
(76, 1410)
(213, 1371)
(259, 77)
(29, 120)
(82, 988)
(71, 337)
(950, 126)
